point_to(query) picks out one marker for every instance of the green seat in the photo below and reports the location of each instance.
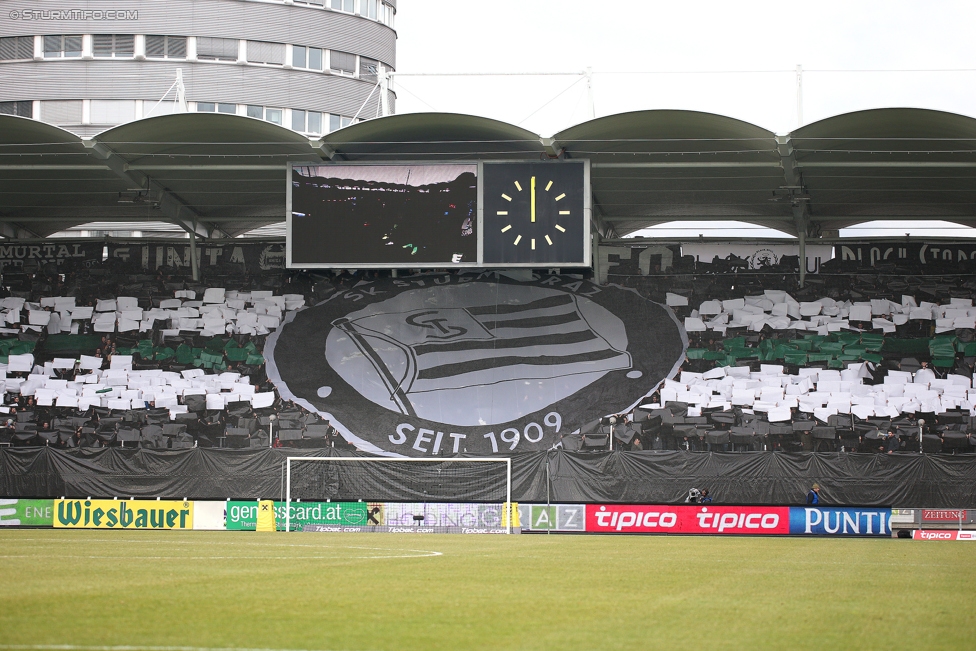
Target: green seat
(872, 357)
(164, 352)
(943, 362)
(802, 344)
(254, 360)
(734, 342)
(714, 355)
(831, 347)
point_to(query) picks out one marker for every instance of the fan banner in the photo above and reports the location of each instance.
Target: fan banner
(444, 364)
(908, 254)
(252, 257)
(759, 256)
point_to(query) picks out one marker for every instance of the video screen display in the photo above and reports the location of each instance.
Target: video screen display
(383, 215)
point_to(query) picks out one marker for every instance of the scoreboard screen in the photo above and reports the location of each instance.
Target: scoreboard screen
(439, 215)
(383, 216)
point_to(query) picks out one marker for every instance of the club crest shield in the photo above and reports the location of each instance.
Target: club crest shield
(442, 364)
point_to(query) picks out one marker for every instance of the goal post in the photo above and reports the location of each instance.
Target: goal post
(400, 479)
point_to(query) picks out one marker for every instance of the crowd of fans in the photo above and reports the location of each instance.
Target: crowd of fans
(160, 350)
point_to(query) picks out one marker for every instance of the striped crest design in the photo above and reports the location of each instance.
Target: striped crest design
(423, 351)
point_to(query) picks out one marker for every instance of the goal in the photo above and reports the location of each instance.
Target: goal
(398, 479)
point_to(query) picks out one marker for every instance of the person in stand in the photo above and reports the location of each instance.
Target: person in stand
(813, 497)
(891, 442)
(705, 497)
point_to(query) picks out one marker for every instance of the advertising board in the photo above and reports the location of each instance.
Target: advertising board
(630, 518)
(552, 517)
(739, 520)
(26, 513)
(122, 514)
(840, 521)
(942, 534)
(242, 516)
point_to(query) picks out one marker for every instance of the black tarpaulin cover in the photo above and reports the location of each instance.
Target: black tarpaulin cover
(899, 480)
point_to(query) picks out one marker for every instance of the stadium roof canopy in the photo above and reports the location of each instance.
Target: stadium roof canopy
(223, 175)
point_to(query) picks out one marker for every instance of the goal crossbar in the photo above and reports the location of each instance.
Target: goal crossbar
(506, 460)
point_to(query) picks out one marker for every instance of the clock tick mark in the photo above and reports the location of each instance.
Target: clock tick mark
(559, 197)
(548, 241)
(563, 212)
(548, 186)
(506, 228)
(506, 197)
(502, 212)
(518, 239)
(518, 187)
(533, 244)
(560, 228)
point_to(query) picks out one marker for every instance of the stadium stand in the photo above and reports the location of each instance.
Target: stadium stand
(98, 357)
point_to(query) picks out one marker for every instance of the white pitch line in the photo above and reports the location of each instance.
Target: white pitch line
(86, 647)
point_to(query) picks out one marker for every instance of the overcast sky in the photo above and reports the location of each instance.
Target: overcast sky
(619, 39)
(722, 47)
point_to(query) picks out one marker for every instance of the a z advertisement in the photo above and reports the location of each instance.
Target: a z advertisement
(442, 364)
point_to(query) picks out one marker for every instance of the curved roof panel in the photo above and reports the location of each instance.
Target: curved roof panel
(433, 136)
(892, 163)
(647, 167)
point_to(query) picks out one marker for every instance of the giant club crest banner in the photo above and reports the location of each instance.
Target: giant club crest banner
(473, 363)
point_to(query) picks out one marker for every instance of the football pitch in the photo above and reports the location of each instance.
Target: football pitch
(78, 590)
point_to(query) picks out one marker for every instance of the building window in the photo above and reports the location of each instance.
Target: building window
(58, 46)
(112, 111)
(206, 107)
(348, 6)
(367, 8)
(255, 112)
(368, 68)
(16, 48)
(388, 13)
(314, 122)
(227, 108)
(336, 122)
(113, 45)
(342, 63)
(167, 47)
(217, 49)
(262, 52)
(309, 58)
(22, 109)
(297, 120)
(61, 111)
(273, 115)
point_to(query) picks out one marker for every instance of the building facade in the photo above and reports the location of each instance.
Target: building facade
(308, 65)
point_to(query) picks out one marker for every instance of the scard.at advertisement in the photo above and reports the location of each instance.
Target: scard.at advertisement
(242, 516)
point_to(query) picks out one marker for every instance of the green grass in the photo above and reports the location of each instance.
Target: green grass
(386, 591)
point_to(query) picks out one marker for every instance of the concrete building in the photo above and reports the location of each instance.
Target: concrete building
(308, 65)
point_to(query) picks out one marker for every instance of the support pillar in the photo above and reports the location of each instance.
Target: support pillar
(195, 265)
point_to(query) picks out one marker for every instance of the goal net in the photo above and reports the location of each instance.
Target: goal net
(389, 479)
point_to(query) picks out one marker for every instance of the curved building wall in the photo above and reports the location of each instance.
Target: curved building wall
(305, 65)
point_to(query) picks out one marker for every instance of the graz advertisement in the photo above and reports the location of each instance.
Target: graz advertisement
(444, 364)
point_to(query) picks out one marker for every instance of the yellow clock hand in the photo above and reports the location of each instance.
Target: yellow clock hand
(533, 199)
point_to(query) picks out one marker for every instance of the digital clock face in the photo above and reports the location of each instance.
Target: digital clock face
(534, 213)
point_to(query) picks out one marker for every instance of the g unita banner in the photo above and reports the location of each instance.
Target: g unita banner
(122, 514)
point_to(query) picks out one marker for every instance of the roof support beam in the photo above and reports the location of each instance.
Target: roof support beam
(13, 231)
(552, 147)
(801, 207)
(688, 164)
(169, 204)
